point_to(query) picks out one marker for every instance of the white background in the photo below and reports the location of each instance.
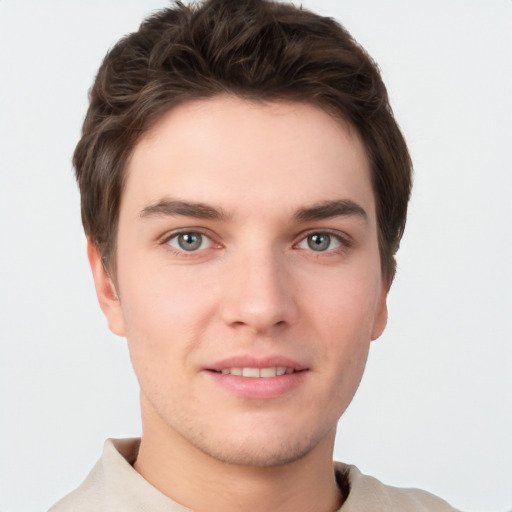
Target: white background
(435, 406)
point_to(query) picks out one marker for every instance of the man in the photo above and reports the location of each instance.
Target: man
(244, 190)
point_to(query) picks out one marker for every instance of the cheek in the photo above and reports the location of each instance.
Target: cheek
(344, 321)
(164, 300)
(344, 308)
(166, 310)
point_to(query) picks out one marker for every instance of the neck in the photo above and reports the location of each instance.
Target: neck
(200, 482)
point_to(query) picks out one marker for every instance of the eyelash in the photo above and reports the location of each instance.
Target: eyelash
(344, 241)
(189, 231)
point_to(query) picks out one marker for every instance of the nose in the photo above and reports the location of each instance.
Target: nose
(260, 293)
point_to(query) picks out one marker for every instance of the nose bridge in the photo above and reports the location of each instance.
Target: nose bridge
(260, 292)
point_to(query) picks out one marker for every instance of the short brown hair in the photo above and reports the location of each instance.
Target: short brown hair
(254, 49)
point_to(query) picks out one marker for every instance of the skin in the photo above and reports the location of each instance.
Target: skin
(254, 288)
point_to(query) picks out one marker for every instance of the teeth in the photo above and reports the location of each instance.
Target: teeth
(250, 372)
(257, 372)
(268, 372)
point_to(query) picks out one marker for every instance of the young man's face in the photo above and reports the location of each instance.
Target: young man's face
(247, 243)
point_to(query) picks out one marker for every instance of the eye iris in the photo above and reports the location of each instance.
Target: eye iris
(319, 241)
(190, 241)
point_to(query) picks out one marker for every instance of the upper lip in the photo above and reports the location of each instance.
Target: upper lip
(247, 361)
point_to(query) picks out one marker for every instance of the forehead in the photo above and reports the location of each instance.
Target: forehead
(242, 152)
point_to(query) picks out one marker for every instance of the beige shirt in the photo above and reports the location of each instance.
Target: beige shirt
(114, 486)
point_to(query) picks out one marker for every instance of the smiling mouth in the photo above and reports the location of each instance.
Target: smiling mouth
(274, 371)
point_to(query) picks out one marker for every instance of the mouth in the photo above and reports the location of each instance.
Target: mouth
(263, 373)
(258, 378)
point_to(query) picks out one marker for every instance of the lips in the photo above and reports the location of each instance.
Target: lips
(250, 366)
(258, 378)
(275, 371)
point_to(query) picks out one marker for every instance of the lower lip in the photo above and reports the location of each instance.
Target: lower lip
(257, 387)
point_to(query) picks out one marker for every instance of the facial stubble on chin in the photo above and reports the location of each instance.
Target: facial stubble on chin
(252, 454)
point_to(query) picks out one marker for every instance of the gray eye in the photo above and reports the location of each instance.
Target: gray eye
(319, 241)
(190, 241)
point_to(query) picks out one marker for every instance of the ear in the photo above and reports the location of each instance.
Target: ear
(381, 313)
(106, 291)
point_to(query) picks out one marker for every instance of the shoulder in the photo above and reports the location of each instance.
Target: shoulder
(368, 493)
(114, 485)
(88, 496)
(110, 473)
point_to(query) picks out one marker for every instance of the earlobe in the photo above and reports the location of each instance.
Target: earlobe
(381, 315)
(105, 291)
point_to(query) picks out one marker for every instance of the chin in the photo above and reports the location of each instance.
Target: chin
(261, 456)
(261, 449)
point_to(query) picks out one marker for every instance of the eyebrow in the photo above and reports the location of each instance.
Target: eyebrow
(186, 208)
(319, 211)
(329, 209)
